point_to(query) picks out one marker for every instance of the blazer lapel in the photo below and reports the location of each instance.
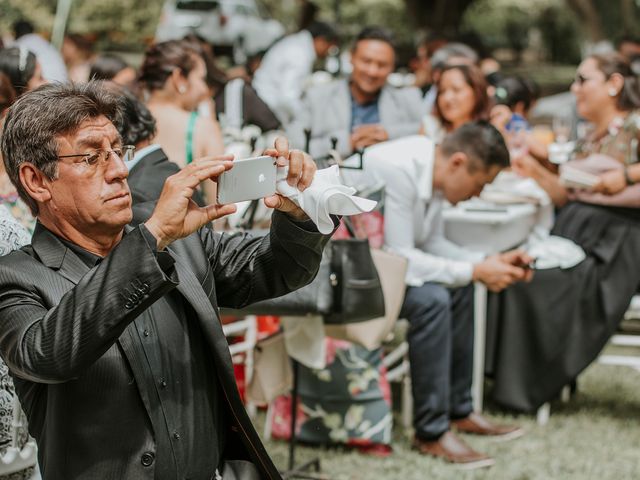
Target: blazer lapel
(342, 103)
(386, 105)
(56, 255)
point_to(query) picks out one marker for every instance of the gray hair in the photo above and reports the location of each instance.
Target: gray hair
(36, 120)
(440, 58)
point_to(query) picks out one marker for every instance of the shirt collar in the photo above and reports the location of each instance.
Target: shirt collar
(88, 258)
(140, 154)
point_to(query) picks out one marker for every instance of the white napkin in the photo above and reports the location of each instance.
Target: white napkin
(551, 251)
(325, 196)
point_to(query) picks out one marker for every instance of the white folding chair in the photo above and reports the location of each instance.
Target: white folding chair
(242, 352)
(626, 339)
(15, 458)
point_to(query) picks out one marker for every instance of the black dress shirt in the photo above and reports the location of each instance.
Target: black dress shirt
(180, 376)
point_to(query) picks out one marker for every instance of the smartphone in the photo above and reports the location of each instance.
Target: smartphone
(249, 179)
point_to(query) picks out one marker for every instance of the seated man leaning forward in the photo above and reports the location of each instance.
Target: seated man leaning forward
(112, 333)
(439, 296)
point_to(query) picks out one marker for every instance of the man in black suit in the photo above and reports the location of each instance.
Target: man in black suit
(150, 166)
(112, 333)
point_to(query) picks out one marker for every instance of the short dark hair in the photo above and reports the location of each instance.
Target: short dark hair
(481, 142)
(512, 90)
(19, 64)
(323, 30)
(7, 93)
(135, 122)
(161, 59)
(627, 39)
(441, 57)
(106, 66)
(21, 28)
(36, 120)
(375, 33)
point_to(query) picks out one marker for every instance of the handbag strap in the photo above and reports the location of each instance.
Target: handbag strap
(348, 224)
(248, 217)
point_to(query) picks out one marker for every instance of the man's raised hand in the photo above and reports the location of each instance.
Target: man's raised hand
(302, 169)
(176, 215)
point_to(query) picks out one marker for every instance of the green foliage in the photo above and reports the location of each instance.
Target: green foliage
(560, 35)
(127, 23)
(39, 12)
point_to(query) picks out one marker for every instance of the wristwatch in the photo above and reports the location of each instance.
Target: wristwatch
(627, 178)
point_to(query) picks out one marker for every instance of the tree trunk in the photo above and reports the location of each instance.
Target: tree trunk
(438, 16)
(587, 12)
(628, 15)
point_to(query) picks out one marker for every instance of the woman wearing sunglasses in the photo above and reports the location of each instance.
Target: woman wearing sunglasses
(554, 327)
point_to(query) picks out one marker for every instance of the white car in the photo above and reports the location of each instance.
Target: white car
(240, 25)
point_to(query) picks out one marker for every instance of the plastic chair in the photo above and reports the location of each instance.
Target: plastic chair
(242, 351)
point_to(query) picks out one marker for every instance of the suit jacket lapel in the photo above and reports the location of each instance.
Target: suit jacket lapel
(56, 255)
(342, 103)
(386, 105)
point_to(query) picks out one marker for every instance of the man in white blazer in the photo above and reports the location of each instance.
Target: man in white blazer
(362, 110)
(419, 178)
(282, 74)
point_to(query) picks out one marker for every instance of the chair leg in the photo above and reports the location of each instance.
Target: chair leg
(407, 403)
(543, 414)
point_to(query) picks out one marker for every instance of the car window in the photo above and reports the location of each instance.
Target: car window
(199, 5)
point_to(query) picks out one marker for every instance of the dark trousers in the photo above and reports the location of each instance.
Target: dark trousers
(441, 354)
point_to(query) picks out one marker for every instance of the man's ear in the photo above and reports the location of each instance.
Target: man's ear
(37, 185)
(458, 160)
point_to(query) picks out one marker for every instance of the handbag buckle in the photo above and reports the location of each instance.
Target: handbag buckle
(333, 280)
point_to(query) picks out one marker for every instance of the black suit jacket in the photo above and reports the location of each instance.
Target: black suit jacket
(147, 177)
(66, 333)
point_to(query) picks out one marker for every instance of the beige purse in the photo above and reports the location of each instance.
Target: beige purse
(272, 373)
(370, 334)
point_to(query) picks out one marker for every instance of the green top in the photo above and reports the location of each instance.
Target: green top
(189, 144)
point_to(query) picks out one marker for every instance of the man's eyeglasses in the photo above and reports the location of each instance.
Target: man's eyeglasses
(101, 157)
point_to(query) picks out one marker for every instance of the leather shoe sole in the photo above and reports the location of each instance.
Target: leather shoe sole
(451, 448)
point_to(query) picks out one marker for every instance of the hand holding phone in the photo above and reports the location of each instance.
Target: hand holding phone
(249, 179)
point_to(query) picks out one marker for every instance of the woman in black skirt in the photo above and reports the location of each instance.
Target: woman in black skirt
(543, 334)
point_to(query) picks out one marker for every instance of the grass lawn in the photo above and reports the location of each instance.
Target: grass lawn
(595, 436)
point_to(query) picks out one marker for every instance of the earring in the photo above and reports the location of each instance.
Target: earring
(613, 92)
(182, 89)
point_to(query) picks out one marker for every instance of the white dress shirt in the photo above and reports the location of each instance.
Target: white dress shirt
(413, 222)
(50, 59)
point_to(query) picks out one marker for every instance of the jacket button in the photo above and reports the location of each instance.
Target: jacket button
(163, 383)
(146, 333)
(176, 435)
(147, 459)
(145, 287)
(134, 297)
(128, 305)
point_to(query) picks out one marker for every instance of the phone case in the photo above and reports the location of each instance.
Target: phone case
(249, 179)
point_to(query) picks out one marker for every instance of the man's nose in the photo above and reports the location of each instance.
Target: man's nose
(116, 168)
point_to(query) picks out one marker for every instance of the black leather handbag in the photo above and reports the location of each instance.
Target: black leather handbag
(346, 289)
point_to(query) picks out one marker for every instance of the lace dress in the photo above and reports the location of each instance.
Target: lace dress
(12, 236)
